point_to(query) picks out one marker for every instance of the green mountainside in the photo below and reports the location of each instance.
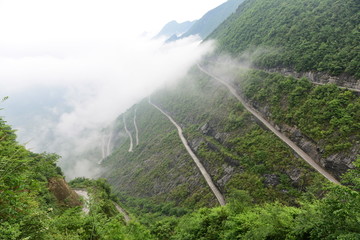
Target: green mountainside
(36, 203)
(230, 144)
(270, 191)
(305, 35)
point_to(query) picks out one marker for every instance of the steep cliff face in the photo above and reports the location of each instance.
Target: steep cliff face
(235, 150)
(312, 116)
(337, 163)
(343, 80)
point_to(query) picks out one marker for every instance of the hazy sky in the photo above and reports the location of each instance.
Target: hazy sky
(70, 67)
(31, 20)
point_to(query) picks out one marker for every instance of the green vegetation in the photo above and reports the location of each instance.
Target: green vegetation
(301, 34)
(238, 154)
(24, 198)
(28, 210)
(270, 192)
(327, 114)
(158, 169)
(333, 217)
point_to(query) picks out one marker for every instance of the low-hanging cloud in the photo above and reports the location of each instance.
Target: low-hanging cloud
(71, 67)
(98, 81)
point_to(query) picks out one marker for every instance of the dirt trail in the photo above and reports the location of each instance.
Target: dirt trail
(285, 139)
(203, 171)
(128, 133)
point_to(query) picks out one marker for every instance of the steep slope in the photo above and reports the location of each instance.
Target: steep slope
(236, 151)
(281, 136)
(303, 35)
(212, 19)
(323, 120)
(203, 171)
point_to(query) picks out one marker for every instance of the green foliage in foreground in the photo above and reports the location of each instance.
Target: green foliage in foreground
(325, 113)
(24, 198)
(29, 211)
(336, 216)
(301, 34)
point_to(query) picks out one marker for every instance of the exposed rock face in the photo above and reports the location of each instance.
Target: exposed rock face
(294, 174)
(271, 179)
(337, 164)
(63, 193)
(206, 129)
(228, 172)
(318, 77)
(195, 143)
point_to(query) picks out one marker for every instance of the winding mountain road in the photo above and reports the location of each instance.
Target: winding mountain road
(203, 171)
(136, 129)
(108, 151)
(85, 195)
(123, 212)
(346, 88)
(285, 139)
(103, 148)
(357, 90)
(86, 208)
(128, 133)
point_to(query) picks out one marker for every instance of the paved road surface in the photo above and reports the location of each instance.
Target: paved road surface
(346, 88)
(203, 171)
(128, 133)
(86, 209)
(85, 195)
(108, 151)
(285, 139)
(136, 129)
(123, 212)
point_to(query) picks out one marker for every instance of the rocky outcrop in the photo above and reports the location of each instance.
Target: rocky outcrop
(228, 173)
(342, 80)
(271, 179)
(337, 163)
(63, 193)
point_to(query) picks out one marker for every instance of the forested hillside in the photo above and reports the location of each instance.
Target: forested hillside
(305, 35)
(238, 153)
(271, 191)
(36, 203)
